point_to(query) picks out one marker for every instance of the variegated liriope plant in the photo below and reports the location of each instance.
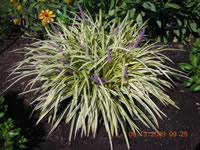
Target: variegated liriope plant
(93, 72)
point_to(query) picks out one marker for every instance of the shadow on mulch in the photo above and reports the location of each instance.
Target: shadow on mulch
(198, 147)
(21, 115)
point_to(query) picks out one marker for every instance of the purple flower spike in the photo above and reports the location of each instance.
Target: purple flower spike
(96, 79)
(81, 11)
(139, 39)
(130, 44)
(116, 30)
(82, 46)
(125, 70)
(109, 55)
(54, 28)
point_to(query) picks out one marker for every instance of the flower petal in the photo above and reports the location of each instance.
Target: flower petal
(41, 17)
(50, 12)
(52, 15)
(47, 11)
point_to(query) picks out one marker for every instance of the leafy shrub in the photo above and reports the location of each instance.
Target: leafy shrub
(180, 17)
(6, 25)
(10, 136)
(27, 14)
(163, 16)
(193, 69)
(94, 72)
(166, 18)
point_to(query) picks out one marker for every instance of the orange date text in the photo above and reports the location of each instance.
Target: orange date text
(153, 134)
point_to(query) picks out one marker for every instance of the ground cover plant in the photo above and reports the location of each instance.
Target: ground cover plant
(93, 72)
(193, 68)
(11, 137)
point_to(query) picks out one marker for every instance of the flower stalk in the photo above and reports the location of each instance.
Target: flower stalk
(109, 55)
(137, 42)
(81, 11)
(53, 28)
(96, 79)
(125, 71)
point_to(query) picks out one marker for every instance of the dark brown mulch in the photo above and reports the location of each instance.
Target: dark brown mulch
(185, 120)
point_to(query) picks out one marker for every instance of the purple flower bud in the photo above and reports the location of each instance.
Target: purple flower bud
(109, 55)
(125, 70)
(81, 11)
(82, 46)
(50, 38)
(116, 30)
(70, 70)
(139, 38)
(58, 69)
(130, 44)
(103, 80)
(54, 28)
(96, 79)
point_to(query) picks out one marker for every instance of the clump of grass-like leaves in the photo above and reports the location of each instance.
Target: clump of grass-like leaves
(102, 71)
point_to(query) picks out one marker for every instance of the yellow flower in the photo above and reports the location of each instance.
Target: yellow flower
(13, 1)
(68, 1)
(44, 22)
(19, 7)
(46, 15)
(16, 21)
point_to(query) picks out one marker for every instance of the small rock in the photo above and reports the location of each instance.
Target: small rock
(198, 104)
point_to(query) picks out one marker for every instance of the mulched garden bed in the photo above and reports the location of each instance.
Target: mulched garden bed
(182, 127)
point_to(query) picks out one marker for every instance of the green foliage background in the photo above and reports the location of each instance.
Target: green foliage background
(6, 24)
(193, 68)
(10, 136)
(181, 17)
